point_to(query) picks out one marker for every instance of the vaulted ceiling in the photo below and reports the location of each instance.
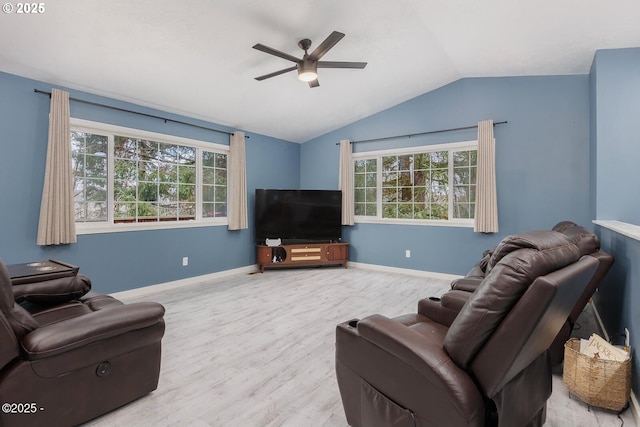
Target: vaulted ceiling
(195, 57)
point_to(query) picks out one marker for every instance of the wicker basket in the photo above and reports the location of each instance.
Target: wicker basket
(597, 382)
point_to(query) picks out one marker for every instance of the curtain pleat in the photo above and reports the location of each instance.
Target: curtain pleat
(486, 213)
(57, 224)
(345, 181)
(237, 184)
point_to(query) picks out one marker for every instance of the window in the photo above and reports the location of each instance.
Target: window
(125, 176)
(429, 184)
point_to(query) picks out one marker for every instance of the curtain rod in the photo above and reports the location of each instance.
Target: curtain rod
(384, 138)
(139, 113)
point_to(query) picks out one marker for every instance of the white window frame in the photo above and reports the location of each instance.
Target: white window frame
(110, 226)
(378, 154)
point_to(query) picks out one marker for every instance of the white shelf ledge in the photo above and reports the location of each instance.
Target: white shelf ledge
(624, 228)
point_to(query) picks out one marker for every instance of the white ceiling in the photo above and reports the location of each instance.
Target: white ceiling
(195, 57)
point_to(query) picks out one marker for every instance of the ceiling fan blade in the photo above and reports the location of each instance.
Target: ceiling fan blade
(340, 64)
(327, 44)
(275, 52)
(277, 73)
(314, 83)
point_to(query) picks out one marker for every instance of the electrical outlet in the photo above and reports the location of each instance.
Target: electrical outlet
(185, 261)
(407, 253)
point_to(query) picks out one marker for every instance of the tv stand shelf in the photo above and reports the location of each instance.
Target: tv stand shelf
(307, 254)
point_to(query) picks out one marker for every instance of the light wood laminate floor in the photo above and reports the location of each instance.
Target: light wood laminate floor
(258, 350)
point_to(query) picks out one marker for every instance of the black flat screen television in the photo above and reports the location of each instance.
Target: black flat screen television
(298, 216)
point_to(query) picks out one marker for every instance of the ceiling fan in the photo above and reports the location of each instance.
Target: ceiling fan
(308, 65)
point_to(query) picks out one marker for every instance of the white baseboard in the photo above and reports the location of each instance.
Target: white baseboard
(146, 290)
(412, 272)
(633, 405)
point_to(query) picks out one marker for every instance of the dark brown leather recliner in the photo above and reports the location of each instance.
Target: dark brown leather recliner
(68, 355)
(486, 365)
(587, 243)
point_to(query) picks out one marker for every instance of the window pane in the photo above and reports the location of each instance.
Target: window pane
(186, 155)
(221, 161)
(96, 190)
(420, 178)
(389, 195)
(168, 211)
(96, 211)
(221, 177)
(389, 210)
(208, 176)
(389, 179)
(187, 193)
(147, 150)
(208, 193)
(208, 159)
(168, 193)
(186, 174)
(405, 211)
(167, 153)
(371, 209)
(125, 169)
(147, 171)
(125, 148)
(421, 211)
(371, 194)
(125, 191)
(406, 194)
(167, 172)
(390, 163)
(371, 179)
(221, 194)
(89, 166)
(405, 163)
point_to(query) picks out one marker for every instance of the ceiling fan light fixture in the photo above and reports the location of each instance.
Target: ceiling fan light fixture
(307, 71)
(307, 76)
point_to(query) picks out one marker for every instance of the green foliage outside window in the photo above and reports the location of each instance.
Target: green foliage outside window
(417, 185)
(152, 181)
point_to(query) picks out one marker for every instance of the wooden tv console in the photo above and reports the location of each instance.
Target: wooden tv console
(307, 254)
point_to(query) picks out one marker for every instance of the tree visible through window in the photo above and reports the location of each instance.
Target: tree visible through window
(428, 184)
(89, 162)
(151, 180)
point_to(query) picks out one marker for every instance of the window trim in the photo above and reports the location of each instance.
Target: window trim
(449, 146)
(110, 226)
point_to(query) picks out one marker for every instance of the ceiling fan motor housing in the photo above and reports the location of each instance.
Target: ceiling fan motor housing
(307, 69)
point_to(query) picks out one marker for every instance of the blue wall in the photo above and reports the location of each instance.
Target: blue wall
(617, 110)
(615, 84)
(119, 261)
(542, 162)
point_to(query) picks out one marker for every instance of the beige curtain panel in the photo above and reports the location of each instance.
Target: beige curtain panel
(345, 181)
(237, 184)
(57, 224)
(486, 214)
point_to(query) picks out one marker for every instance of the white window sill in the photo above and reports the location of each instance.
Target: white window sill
(95, 228)
(423, 222)
(624, 228)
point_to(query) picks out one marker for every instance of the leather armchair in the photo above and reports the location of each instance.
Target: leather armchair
(484, 365)
(72, 353)
(587, 243)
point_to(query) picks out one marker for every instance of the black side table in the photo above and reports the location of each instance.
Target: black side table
(39, 271)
